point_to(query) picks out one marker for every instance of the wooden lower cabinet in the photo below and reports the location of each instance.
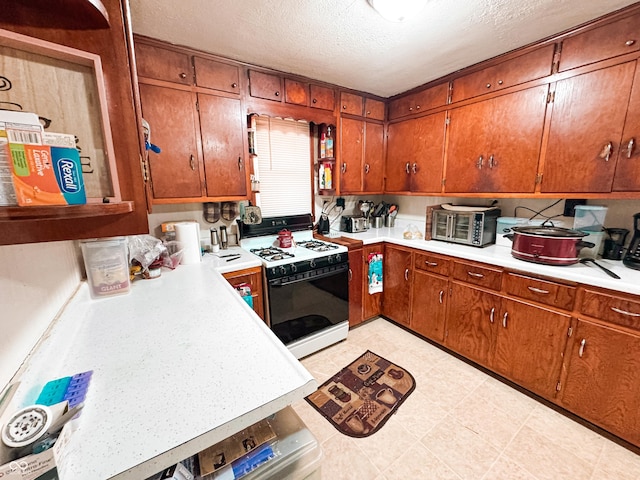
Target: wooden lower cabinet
(371, 302)
(398, 277)
(252, 276)
(356, 286)
(602, 383)
(429, 305)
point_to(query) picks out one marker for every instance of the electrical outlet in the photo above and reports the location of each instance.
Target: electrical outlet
(570, 206)
(340, 202)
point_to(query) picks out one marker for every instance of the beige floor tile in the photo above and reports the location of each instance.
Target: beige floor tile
(322, 368)
(506, 398)
(548, 459)
(463, 450)
(321, 428)
(418, 463)
(617, 463)
(444, 388)
(387, 444)
(506, 469)
(344, 460)
(418, 414)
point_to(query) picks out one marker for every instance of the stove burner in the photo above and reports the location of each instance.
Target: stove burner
(271, 254)
(317, 246)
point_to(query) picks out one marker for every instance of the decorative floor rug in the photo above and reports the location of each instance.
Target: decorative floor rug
(360, 398)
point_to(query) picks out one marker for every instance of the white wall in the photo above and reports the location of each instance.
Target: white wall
(36, 280)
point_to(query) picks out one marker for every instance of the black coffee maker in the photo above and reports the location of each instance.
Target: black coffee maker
(614, 245)
(323, 224)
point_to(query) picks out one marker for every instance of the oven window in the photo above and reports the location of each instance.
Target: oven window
(462, 228)
(441, 225)
(303, 308)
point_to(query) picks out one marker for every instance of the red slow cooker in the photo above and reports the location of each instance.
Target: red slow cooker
(547, 245)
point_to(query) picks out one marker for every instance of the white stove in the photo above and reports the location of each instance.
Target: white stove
(307, 283)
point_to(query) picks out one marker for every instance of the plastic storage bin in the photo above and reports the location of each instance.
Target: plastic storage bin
(106, 261)
(589, 218)
(504, 226)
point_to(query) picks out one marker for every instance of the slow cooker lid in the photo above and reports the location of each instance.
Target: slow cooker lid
(542, 231)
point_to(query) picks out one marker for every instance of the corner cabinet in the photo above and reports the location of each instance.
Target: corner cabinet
(112, 43)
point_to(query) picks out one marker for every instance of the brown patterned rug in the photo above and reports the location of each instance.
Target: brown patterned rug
(360, 398)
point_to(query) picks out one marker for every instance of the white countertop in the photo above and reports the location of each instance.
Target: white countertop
(180, 363)
(501, 256)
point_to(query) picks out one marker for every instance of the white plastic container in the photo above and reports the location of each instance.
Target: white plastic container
(589, 218)
(106, 261)
(593, 237)
(504, 226)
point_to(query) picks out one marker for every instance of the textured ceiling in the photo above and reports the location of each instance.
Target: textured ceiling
(347, 43)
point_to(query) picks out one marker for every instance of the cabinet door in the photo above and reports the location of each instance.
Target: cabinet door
(429, 305)
(322, 97)
(373, 109)
(265, 85)
(420, 101)
(414, 154)
(351, 103)
(529, 346)
(172, 116)
(370, 301)
(252, 276)
(296, 92)
(471, 322)
(398, 273)
(627, 176)
(222, 145)
(217, 75)
(603, 379)
(356, 287)
(351, 151)
(373, 181)
(163, 64)
(600, 43)
(586, 127)
(494, 145)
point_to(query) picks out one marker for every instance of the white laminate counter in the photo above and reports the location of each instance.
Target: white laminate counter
(501, 256)
(179, 364)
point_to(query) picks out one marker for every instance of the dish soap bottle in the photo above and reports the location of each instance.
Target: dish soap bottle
(329, 144)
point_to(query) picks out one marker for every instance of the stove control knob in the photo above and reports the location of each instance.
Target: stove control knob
(312, 263)
(294, 267)
(338, 257)
(283, 270)
(330, 258)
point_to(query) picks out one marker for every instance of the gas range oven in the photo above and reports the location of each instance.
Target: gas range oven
(307, 283)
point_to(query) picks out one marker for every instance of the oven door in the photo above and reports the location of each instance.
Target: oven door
(303, 307)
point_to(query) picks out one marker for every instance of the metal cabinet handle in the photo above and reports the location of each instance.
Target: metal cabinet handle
(628, 43)
(344, 107)
(407, 168)
(417, 107)
(368, 113)
(630, 146)
(406, 274)
(192, 162)
(277, 94)
(315, 100)
(430, 264)
(350, 274)
(441, 295)
(492, 161)
(624, 312)
(344, 168)
(479, 162)
(606, 152)
(183, 75)
(414, 168)
(491, 315)
(488, 85)
(500, 82)
(234, 85)
(366, 168)
(476, 275)
(538, 290)
(504, 319)
(582, 345)
(411, 109)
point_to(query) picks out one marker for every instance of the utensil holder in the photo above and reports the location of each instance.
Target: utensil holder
(389, 221)
(378, 222)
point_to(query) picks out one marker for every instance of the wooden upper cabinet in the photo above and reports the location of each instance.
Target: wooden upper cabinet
(217, 75)
(494, 145)
(530, 66)
(419, 101)
(163, 64)
(587, 123)
(627, 176)
(415, 149)
(373, 167)
(322, 97)
(611, 40)
(351, 155)
(351, 103)
(265, 85)
(373, 109)
(296, 92)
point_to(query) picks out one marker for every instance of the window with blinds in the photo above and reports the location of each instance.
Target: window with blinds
(283, 166)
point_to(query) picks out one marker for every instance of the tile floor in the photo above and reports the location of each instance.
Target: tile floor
(458, 424)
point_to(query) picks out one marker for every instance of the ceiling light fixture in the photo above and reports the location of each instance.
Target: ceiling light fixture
(397, 10)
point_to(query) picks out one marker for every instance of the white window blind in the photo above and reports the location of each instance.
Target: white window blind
(283, 166)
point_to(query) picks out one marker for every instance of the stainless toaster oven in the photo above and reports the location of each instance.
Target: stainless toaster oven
(466, 227)
(353, 224)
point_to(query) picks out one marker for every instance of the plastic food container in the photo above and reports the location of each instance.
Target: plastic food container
(106, 261)
(589, 218)
(504, 226)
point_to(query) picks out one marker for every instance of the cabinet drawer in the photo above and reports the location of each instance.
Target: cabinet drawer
(217, 75)
(351, 103)
(265, 85)
(296, 92)
(616, 309)
(483, 276)
(163, 64)
(432, 263)
(608, 41)
(543, 291)
(322, 97)
(416, 102)
(532, 65)
(373, 109)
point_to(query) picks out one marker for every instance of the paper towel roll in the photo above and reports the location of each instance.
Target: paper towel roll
(188, 234)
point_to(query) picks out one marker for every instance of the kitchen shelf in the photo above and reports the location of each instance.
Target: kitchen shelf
(65, 211)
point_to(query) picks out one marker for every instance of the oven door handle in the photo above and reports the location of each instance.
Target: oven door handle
(275, 282)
